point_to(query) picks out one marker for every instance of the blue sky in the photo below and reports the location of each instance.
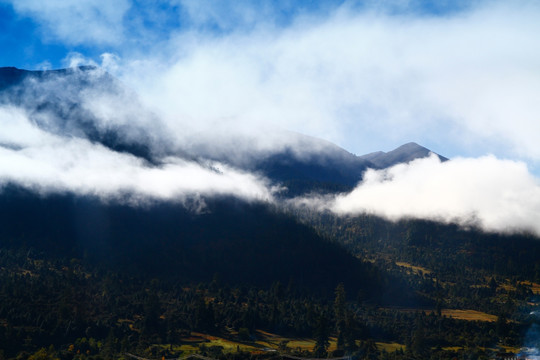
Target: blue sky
(37, 34)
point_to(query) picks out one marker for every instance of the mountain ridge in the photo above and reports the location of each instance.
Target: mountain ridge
(402, 154)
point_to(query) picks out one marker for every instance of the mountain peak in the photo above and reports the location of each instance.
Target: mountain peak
(410, 145)
(402, 154)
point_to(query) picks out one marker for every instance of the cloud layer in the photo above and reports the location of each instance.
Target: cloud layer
(496, 195)
(45, 162)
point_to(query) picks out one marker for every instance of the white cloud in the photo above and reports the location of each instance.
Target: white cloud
(224, 14)
(500, 195)
(44, 162)
(78, 21)
(75, 59)
(467, 81)
(368, 77)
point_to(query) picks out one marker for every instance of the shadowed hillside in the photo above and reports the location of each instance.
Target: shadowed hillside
(243, 243)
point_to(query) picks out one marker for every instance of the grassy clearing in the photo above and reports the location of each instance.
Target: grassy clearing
(192, 343)
(186, 349)
(418, 270)
(265, 340)
(308, 344)
(303, 344)
(389, 347)
(510, 349)
(230, 346)
(468, 315)
(452, 348)
(507, 287)
(534, 287)
(272, 341)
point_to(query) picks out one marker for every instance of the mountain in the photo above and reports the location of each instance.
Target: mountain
(403, 154)
(11, 76)
(84, 102)
(243, 242)
(327, 168)
(87, 102)
(302, 164)
(305, 164)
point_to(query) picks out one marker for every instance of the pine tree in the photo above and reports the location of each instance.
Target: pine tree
(322, 337)
(339, 313)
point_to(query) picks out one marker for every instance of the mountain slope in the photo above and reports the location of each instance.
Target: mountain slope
(243, 243)
(84, 102)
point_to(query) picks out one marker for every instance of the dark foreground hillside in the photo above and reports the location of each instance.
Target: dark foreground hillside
(239, 242)
(104, 279)
(74, 268)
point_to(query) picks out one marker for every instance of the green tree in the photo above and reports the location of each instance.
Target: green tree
(418, 343)
(339, 313)
(322, 337)
(501, 326)
(44, 354)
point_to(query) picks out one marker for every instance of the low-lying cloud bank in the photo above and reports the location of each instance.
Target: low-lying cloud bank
(46, 162)
(496, 195)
